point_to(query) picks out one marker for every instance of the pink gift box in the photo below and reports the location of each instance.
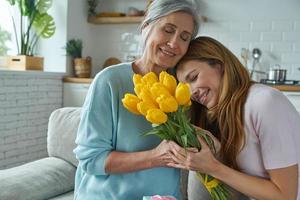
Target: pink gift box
(157, 197)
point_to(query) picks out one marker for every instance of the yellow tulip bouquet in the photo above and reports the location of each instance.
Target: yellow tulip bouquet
(165, 104)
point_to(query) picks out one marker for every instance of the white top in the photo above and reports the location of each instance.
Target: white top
(272, 128)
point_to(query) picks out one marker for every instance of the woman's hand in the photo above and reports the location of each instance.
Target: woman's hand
(124, 162)
(217, 143)
(162, 154)
(190, 159)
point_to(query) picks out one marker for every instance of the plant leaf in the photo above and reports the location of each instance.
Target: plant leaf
(27, 7)
(44, 25)
(184, 140)
(43, 5)
(74, 48)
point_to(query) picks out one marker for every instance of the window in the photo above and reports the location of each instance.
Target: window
(7, 36)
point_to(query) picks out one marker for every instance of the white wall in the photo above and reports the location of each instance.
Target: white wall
(52, 48)
(271, 25)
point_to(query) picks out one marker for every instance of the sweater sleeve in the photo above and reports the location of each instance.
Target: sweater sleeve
(277, 123)
(95, 133)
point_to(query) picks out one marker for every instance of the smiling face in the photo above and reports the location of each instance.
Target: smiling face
(168, 40)
(204, 80)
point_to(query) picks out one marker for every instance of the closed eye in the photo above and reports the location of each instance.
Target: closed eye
(185, 36)
(169, 29)
(192, 78)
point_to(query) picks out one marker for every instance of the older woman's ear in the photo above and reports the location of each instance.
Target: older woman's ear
(144, 25)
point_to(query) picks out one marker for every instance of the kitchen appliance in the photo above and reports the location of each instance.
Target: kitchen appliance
(277, 74)
(277, 82)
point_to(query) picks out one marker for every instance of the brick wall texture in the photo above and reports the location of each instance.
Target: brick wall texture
(26, 102)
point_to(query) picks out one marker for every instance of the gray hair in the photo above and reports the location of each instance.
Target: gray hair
(161, 8)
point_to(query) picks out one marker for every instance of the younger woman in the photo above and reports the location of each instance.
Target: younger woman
(258, 128)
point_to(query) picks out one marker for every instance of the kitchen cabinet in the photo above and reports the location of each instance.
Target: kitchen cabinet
(292, 92)
(74, 94)
(294, 98)
(75, 91)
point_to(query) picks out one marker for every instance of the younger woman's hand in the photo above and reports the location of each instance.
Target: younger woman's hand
(217, 143)
(202, 161)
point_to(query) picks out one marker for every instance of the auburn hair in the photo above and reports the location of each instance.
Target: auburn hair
(224, 120)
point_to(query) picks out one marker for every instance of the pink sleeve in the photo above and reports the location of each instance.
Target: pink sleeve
(277, 124)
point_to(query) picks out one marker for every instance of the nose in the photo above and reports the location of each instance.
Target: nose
(174, 42)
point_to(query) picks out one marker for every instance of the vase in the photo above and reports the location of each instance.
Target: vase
(83, 67)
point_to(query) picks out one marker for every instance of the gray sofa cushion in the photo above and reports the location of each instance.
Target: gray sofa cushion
(41, 179)
(62, 130)
(65, 196)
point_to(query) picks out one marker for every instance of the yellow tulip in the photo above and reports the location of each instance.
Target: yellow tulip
(146, 96)
(138, 89)
(156, 116)
(137, 79)
(144, 106)
(159, 89)
(167, 103)
(150, 78)
(183, 94)
(168, 81)
(162, 76)
(130, 102)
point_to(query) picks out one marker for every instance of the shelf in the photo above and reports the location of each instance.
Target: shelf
(115, 20)
(77, 80)
(123, 20)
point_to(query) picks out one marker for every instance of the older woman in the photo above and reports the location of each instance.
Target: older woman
(115, 162)
(257, 126)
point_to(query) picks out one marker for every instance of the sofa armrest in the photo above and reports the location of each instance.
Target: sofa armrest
(40, 179)
(62, 131)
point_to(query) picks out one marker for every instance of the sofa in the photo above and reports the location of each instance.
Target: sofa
(53, 177)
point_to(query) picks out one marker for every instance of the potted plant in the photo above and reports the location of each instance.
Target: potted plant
(82, 66)
(35, 23)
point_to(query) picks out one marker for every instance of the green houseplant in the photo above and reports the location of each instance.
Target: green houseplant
(82, 66)
(74, 48)
(35, 23)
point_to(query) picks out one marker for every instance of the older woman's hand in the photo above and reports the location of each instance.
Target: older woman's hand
(162, 154)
